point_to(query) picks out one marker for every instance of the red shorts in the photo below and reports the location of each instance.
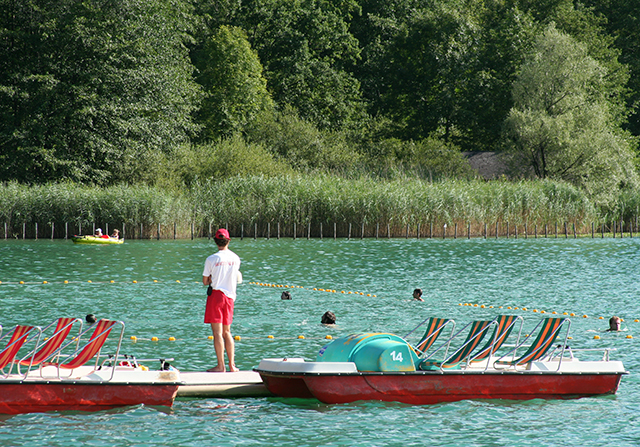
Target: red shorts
(219, 309)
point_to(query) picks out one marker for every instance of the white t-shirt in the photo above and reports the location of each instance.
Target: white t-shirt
(223, 268)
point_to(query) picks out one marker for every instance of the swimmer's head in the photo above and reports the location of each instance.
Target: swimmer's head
(328, 318)
(614, 323)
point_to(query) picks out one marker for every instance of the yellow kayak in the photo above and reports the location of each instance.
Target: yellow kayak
(95, 240)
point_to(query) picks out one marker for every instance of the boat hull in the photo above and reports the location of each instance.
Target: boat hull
(428, 388)
(341, 382)
(96, 240)
(38, 397)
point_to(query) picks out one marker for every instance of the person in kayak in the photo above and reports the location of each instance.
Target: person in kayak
(115, 234)
(100, 235)
(220, 273)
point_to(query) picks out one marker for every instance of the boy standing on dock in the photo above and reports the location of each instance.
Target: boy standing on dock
(221, 274)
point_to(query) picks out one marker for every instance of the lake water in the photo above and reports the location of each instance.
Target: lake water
(592, 277)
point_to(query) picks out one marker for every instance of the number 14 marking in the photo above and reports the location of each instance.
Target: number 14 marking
(396, 356)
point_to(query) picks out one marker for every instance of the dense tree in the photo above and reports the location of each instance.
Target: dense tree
(622, 19)
(92, 92)
(562, 125)
(429, 67)
(231, 74)
(306, 49)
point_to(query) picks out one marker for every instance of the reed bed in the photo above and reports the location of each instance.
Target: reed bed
(313, 206)
(390, 205)
(83, 207)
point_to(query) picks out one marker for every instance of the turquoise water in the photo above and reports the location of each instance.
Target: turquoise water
(599, 277)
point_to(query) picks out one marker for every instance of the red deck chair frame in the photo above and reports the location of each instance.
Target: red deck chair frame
(46, 349)
(91, 349)
(19, 336)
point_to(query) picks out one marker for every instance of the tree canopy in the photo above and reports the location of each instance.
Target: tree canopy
(128, 91)
(562, 125)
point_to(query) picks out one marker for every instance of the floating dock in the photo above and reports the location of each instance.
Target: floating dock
(227, 384)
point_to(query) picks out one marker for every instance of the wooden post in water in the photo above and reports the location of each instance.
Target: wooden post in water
(278, 230)
(309, 230)
(406, 233)
(123, 230)
(362, 233)
(255, 231)
(621, 229)
(335, 232)
(349, 235)
(614, 229)
(565, 230)
(496, 229)
(602, 228)
(192, 229)
(52, 225)
(535, 231)
(377, 229)
(526, 235)
(5, 230)
(485, 230)
(294, 231)
(574, 230)
(66, 231)
(630, 228)
(431, 230)
(388, 231)
(546, 232)
(94, 228)
(158, 235)
(468, 230)
(142, 231)
(36, 231)
(444, 231)
(515, 230)
(24, 230)
(556, 230)
(242, 231)
(418, 231)
(320, 230)
(592, 230)
(268, 230)
(507, 229)
(175, 230)
(455, 230)
(106, 229)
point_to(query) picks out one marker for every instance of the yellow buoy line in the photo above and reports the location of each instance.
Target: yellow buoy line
(317, 289)
(90, 281)
(524, 309)
(136, 339)
(286, 286)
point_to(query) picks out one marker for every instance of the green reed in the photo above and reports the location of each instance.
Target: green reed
(310, 201)
(326, 199)
(83, 206)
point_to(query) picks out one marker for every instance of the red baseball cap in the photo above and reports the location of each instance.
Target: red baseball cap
(222, 234)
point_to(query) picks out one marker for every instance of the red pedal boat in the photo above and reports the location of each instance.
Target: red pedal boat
(52, 381)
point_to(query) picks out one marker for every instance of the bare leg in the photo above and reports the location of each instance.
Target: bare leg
(230, 346)
(218, 344)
